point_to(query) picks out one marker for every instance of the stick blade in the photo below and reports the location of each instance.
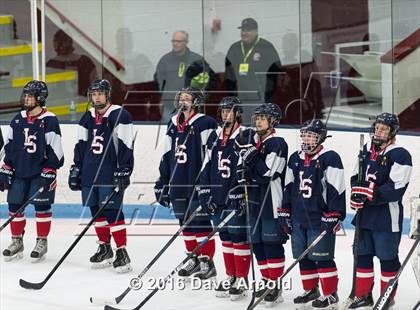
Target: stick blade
(30, 285)
(102, 301)
(108, 307)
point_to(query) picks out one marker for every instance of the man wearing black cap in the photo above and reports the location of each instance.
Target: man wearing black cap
(252, 67)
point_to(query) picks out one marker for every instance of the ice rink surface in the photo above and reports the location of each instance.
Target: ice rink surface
(75, 282)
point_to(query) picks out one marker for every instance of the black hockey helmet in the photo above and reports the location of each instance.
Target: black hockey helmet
(272, 111)
(99, 85)
(317, 129)
(231, 103)
(197, 98)
(388, 119)
(38, 89)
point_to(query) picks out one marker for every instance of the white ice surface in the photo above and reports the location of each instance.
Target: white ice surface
(74, 282)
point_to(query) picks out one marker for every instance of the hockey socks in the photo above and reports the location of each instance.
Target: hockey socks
(308, 274)
(328, 277)
(43, 223)
(17, 225)
(102, 230)
(242, 259)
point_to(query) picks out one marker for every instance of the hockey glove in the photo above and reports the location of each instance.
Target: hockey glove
(206, 202)
(242, 174)
(74, 178)
(244, 141)
(362, 191)
(122, 178)
(48, 179)
(237, 200)
(285, 221)
(330, 221)
(6, 177)
(162, 194)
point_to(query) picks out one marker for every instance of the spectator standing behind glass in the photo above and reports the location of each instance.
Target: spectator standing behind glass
(252, 67)
(171, 71)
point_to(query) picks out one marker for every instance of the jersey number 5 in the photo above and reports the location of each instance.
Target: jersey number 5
(180, 154)
(97, 146)
(29, 143)
(223, 165)
(305, 186)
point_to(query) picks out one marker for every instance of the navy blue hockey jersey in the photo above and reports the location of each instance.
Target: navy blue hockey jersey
(390, 170)
(104, 143)
(184, 154)
(219, 171)
(33, 143)
(314, 184)
(267, 174)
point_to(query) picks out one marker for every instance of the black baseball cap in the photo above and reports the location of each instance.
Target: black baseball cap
(248, 24)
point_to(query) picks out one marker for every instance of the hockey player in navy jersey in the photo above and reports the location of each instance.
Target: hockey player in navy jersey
(262, 164)
(217, 179)
(33, 153)
(186, 138)
(314, 201)
(387, 170)
(103, 160)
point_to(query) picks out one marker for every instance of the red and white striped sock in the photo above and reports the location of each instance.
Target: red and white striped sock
(119, 233)
(385, 278)
(189, 240)
(102, 230)
(43, 224)
(329, 280)
(309, 279)
(275, 268)
(209, 248)
(228, 257)
(242, 257)
(364, 281)
(17, 225)
(262, 265)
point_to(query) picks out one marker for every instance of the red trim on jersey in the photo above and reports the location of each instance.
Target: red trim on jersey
(260, 141)
(225, 137)
(182, 127)
(32, 119)
(308, 157)
(99, 117)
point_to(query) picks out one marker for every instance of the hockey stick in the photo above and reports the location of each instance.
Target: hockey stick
(385, 298)
(20, 210)
(360, 176)
(117, 300)
(417, 306)
(40, 285)
(179, 266)
(296, 261)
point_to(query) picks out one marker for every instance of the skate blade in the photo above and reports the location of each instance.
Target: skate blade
(306, 306)
(330, 307)
(35, 260)
(220, 294)
(270, 304)
(346, 304)
(17, 256)
(238, 297)
(105, 264)
(123, 269)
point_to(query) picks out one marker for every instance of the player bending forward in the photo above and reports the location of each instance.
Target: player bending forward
(217, 179)
(103, 160)
(387, 170)
(33, 153)
(314, 201)
(264, 156)
(180, 166)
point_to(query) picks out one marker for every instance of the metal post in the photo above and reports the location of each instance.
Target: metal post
(43, 74)
(34, 31)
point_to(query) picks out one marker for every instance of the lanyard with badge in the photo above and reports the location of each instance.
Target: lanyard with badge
(244, 66)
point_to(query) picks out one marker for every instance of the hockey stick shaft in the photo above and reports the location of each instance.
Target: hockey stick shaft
(178, 267)
(21, 209)
(38, 286)
(385, 298)
(296, 261)
(158, 255)
(360, 176)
